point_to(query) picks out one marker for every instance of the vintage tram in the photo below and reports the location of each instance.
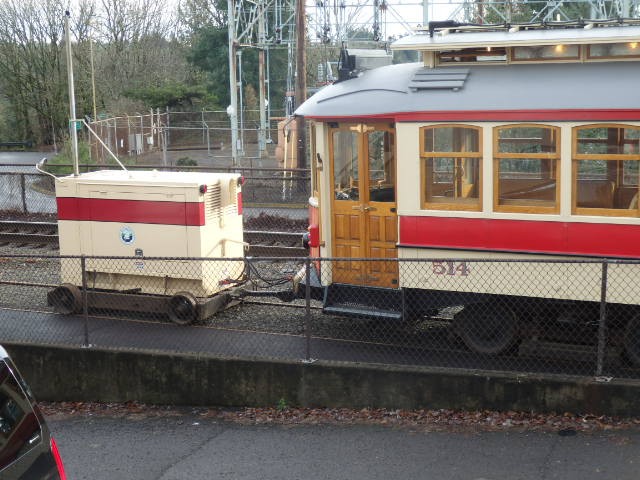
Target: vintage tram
(506, 143)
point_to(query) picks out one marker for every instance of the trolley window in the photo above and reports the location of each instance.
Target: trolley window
(345, 166)
(546, 53)
(606, 170)
(614, 50)
(451, 167)
(526, 168)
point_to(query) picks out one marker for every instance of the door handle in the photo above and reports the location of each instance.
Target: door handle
(363, 209)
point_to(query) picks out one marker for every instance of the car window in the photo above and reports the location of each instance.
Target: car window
(20, 429)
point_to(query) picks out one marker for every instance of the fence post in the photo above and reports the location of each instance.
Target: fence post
(23, 191)
(85, 303)
(307, 315)
(602, 327)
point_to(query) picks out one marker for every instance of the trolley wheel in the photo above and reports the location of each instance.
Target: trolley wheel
(487, 328)
(183, 308)
(66, 299)
(632, 341)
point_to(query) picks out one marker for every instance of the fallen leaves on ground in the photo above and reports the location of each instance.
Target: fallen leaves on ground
(419, 420)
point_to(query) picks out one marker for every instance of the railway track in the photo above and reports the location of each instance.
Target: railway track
(262, 243)
(29, 233)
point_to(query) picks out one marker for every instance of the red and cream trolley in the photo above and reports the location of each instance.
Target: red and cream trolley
(502, 143)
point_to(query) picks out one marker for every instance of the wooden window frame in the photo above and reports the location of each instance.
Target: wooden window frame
(615, 157)
(497, 156)
(424, 156)
(613, 57)
(572, 58)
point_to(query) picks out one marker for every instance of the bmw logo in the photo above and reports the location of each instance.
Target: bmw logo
(127, 236)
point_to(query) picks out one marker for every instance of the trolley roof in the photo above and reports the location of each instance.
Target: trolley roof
(467, 36)
(397, 89)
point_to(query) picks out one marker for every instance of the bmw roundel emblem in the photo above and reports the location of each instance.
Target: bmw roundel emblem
(127, 236)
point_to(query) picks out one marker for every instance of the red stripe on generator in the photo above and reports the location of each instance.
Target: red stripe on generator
(131, 211)
(239, 203)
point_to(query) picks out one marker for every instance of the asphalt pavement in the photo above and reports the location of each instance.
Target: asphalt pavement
(190, 446)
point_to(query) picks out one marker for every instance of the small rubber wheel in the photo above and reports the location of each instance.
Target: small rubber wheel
(183, 308)
(65, 299)
(632, 341)
(487, 328)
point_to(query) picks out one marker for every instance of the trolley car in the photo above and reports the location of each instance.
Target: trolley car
(511, 142)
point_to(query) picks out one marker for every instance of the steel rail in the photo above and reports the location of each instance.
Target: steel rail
(262, 243)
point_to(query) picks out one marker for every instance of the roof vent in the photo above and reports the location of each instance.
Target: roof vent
(444, 79)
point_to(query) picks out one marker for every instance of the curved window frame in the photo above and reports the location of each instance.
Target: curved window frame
(523, 207)
(426, 155)
(608, 157)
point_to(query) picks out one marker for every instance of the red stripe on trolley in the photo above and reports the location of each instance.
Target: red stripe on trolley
(569, 238)
(131, 211)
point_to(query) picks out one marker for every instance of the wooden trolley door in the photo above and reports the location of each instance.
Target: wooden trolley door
(365, 222)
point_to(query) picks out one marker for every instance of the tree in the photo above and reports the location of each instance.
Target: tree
(32, 70)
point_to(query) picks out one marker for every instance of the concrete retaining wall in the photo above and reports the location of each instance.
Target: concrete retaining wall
(73, 374)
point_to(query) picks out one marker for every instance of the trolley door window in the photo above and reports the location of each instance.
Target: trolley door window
(381, 150)
(345, 165)
(606, 170)
(451, 167)
(526, 168)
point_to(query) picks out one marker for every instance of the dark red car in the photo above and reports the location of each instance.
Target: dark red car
(27, 449)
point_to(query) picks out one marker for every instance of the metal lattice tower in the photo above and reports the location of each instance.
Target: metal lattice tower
(268, 24)
(263, 25)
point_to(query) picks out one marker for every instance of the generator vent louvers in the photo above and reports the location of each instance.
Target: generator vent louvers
(439, 79)
(230, 207)
(213, 202)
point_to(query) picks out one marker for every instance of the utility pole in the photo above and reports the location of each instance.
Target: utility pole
(262, 46)
(232, 109)
(301, 82)
(72, 97)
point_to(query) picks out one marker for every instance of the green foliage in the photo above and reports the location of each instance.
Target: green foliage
(7, 121)
(186, 162)
(282, 405)
(62, 164)
(172, 95)
(210, 53)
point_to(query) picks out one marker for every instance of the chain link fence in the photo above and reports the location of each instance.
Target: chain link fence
(143, 133)
(561, 317)
(23, 193)
(273, 199)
